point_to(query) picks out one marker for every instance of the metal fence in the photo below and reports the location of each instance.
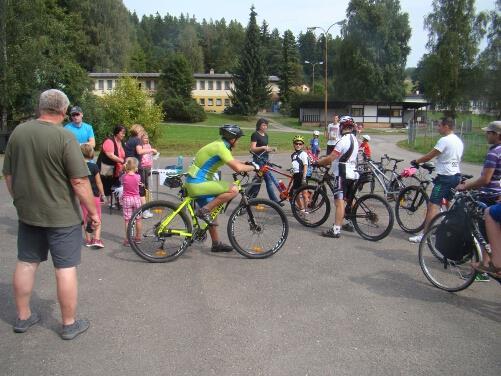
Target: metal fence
(425, 135)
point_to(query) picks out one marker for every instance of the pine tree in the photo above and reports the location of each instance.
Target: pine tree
(290, 69)
(251, 91)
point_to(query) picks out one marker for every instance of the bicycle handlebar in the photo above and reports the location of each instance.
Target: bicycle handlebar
(261, 158)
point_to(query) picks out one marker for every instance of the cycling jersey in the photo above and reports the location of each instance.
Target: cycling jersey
(201, 179)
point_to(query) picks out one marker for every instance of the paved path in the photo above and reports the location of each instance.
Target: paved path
(318, 307)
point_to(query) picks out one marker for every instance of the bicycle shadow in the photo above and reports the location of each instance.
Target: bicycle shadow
(45, 307)
(383, 284)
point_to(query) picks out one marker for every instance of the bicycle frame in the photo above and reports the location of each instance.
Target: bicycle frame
(383, 180)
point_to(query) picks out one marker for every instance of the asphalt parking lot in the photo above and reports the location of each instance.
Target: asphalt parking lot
(318, 307)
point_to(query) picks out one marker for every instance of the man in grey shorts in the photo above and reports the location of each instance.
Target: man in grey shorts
(45, 173)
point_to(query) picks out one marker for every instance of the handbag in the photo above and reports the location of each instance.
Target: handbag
(106, 169)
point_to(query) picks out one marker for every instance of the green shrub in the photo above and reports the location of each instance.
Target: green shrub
(176, 108)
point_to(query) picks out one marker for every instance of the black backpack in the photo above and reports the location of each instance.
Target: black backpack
(453, 235)
(102, 157)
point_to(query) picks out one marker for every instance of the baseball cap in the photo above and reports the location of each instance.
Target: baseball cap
(494, 126)
(76, 109)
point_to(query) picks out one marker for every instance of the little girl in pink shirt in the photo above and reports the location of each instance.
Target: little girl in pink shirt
(130, 196)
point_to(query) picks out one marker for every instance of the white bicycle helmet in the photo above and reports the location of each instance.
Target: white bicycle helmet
(366, 137)
(316, 133)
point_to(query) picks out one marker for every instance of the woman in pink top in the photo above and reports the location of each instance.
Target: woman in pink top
(130, 196)
(113, 153)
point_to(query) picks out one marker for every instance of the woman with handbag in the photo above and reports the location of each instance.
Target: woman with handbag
(111, 160)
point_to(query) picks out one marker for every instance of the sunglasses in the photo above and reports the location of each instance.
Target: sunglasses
(298, 143)
(75, 114)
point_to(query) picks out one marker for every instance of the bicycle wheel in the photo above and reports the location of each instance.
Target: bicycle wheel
(410, 209)
(317, 205)
(372, 217)
(259, 229)
(145, 240)
(443, 273)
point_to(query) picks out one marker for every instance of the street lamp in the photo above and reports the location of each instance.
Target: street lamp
(313, 73)
(325, 64)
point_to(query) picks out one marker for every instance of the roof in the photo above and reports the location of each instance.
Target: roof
(408, 102)
(115, 75)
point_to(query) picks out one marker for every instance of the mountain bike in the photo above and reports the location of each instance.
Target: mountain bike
(257, 228)
(455, 275)
(371, 215)
(412, 202)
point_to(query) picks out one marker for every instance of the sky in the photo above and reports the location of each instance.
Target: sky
(295, 15)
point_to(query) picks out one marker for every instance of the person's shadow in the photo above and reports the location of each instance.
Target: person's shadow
(44, 307)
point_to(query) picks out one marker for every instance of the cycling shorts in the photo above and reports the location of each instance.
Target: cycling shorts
(208, 188)
(495, 212)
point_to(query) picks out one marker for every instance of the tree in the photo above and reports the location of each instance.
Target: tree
(371, 59)
(127, 105)
(174, 91)
(454, 33)
(251, 91)
(190, 48)
(290, 72)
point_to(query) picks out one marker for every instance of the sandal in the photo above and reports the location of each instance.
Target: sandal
(490, 269)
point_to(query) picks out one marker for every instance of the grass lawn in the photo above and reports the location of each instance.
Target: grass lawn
(188, 139)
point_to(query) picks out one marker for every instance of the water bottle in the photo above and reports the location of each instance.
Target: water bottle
(180, 163)
(281, 186)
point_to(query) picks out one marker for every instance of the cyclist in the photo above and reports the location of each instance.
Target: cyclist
(344, 156)
(211, 193)
(448, 151)
(493, 227)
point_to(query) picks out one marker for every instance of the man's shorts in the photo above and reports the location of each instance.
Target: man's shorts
(345, 187)
(495, 212)
(129, 205)
(207, 188)
(64, 244)
(442, 188)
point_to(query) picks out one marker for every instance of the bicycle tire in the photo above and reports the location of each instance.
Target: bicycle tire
(447, 275)
(148, 245)
(318, 208)
(255, 221)
(372, 212)
(410, 209)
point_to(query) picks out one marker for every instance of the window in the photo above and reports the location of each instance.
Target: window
(219, 102)
(226, 85)
(210, 85)
(101, 84)
(148, 84)
(396, 112)
(357, 111)
(383, 112)
(218, 85)
(202, 84)
(226, 102)
(152, 85)
(109, 84)
(202, 101)
(210, 102)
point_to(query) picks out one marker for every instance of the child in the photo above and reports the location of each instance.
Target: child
(300, 162)
(98, 191)
(146, 164)
(315, 144)
(130, 196)
(364, 146)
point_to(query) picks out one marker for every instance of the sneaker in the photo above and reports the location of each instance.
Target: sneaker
(126, 243)
(147, 214)
(97, 243)
(482, 277)
(88, 243)
(221, 247)
(331, 234)
(204, 215)
(78, 327)
(348, 227)
(22, 326)
(416, 239)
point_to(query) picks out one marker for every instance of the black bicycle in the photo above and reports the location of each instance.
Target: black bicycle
(371, 215)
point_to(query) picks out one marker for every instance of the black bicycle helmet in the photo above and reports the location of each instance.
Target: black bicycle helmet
(230, 131)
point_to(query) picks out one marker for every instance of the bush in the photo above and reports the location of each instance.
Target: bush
(126, 105)
(178, 109)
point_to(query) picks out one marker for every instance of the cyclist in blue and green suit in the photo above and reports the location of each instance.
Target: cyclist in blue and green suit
(201, 182)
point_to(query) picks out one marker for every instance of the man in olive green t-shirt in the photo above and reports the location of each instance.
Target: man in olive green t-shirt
(45, 173)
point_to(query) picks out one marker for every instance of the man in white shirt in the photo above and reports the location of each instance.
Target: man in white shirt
(448, 151)
(344, 161)
(332, 133)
